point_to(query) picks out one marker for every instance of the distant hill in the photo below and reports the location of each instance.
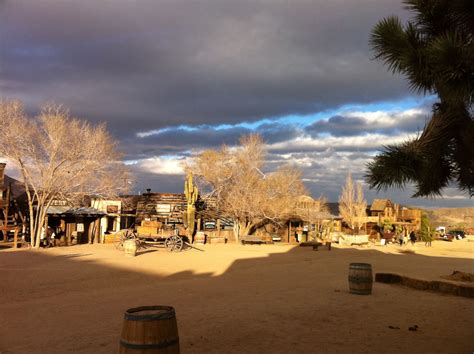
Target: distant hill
(451, 217)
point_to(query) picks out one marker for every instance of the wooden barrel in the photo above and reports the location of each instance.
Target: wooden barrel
(360, 278)
(150, 329)
(200, 238)
(130, 247)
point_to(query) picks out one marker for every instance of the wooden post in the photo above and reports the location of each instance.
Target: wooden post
(5, 214)
(62, 227)
(90, 230)
(93, 227)
(97, 231)
(218, 225)
(289, 231)
(70, 228)
(15, 238)
(67, 238)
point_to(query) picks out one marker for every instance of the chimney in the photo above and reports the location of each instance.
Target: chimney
(2, 174)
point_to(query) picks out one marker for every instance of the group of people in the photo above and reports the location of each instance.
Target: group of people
(402, 235)
(48, 237)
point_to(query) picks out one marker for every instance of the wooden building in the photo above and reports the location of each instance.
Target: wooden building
(129, 211)
(310, 218)
(12, 219)
(75, 225)
(164, 207)
(383, 209)
(411, 217)
(112, 209)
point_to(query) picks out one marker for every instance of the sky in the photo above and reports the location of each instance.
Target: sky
(173, 77)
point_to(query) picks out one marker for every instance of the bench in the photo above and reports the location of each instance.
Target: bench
(360, 244)
(253, 240)
(316, 245)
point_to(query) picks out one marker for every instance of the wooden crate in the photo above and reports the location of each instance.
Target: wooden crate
(147, 230)
(151, 223)
(110, 238)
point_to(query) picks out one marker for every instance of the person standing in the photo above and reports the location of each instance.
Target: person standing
(428, 241)
(412, 237)
(400, 238)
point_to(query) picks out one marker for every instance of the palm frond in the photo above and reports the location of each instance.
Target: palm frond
(388, 40)
(394, 167)
(453, 66)
(435, 51)
(430, 17)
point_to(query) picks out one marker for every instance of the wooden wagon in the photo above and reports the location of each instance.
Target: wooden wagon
(152, 233)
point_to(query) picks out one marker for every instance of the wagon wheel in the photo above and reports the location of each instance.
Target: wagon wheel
(174, 243)
(121, 237)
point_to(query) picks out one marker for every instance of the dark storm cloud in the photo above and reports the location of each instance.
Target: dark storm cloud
(180, 141)
(339, 126)
(146, 65)
(149, 64)
(354, 125)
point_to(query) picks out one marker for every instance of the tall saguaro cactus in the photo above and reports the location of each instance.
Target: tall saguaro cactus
(191, 192)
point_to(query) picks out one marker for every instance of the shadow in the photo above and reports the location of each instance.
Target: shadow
(141, 253)
(229, 299)
(75, 255)
(404, 251)
(189, 247)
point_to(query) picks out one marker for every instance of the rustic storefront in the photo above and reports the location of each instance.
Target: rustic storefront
(75, 225)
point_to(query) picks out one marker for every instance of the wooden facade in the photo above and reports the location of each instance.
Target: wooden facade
(11, 216)
(309, 218)
(385, 209)
(75, 225)
(164, 207)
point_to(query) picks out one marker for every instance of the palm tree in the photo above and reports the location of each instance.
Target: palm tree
(435, 52)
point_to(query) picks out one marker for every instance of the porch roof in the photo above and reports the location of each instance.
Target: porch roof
(64, 210)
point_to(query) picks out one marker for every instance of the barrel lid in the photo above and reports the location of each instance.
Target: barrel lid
(150, 313)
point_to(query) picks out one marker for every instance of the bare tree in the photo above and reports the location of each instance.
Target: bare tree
(243, 192)
(360, 207)
(59, 157)
(352, 205)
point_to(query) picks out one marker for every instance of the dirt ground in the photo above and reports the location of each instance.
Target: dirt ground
(235, 299)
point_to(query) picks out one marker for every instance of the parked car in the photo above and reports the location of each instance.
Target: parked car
(276, 237)
(457, 234)
(210, 225)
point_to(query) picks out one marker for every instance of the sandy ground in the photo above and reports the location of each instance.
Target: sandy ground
(234, 299)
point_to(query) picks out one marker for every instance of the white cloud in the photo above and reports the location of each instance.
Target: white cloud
(351, 143)
(455, 197)
(161, 165)
(388, 119)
